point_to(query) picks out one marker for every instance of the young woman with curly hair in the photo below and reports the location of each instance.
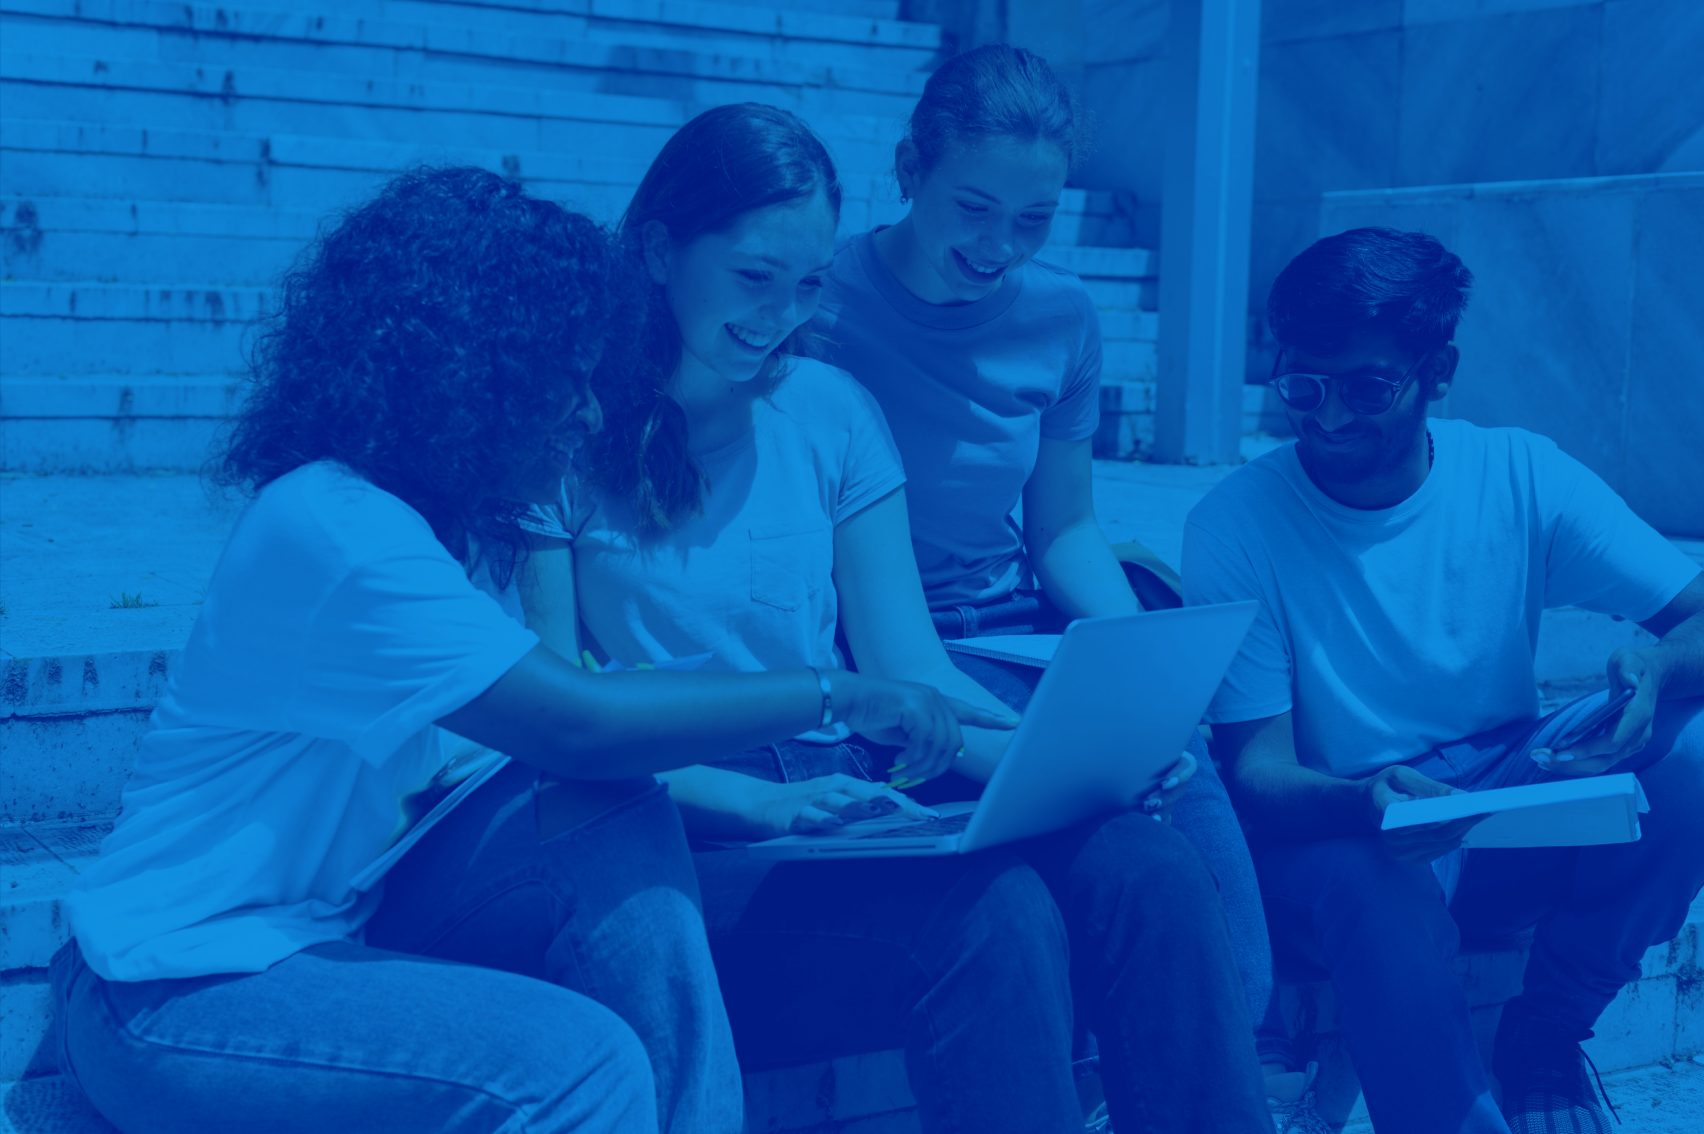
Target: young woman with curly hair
(243, 958)
(743, 502)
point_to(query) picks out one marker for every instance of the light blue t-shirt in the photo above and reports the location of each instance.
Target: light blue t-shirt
(294, 743)
(749, 580)
(969, 391)
(1389, 632)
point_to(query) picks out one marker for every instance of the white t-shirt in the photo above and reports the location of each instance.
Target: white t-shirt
(748, 580)
(294, 742)
(969, 389)
(1389, 632)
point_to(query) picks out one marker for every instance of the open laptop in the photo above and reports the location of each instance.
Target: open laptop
(1113, 712)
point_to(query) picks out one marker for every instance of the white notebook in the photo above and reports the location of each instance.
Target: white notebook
(1024, 649)
(1562, 813)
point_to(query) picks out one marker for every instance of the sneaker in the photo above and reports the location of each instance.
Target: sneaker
(1543, 1071)
(1290, 1099)
(1098, 1122)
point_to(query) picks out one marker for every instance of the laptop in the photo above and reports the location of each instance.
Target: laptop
(1112, 714)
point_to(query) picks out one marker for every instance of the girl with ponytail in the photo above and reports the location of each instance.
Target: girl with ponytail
(986, 362)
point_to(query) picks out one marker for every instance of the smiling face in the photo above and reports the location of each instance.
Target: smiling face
(981, 213)
(1338, 446)
(737, 294)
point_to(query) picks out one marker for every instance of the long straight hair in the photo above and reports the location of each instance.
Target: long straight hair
(723, 164)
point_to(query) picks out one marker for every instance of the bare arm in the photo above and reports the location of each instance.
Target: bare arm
(675, 734)
(887, 621)
(1672, 669)
(1067, 549)
(1677, 661)
(1286, 801)
(546, 585)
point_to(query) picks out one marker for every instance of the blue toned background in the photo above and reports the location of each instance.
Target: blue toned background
(1585, 325)
(161, 162)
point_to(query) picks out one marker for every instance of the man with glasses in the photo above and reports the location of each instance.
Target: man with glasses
(1402, 564)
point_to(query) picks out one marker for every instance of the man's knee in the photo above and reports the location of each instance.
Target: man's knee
(1674, 777)
(1352, 893)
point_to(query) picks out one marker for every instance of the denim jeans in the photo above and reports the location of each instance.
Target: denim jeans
(973, 963)
(505, 984)
(1204, 816)
(1382, 931)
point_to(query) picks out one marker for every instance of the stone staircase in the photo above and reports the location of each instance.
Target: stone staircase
(164, 161)
(160, 163)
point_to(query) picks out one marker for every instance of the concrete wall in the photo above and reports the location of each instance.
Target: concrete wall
(1373, 94)
(1587, 320)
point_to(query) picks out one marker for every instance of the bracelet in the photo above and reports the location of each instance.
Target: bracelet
(827, 697)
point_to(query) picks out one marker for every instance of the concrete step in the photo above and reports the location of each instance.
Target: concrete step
(1129, 394)
(50, 159)
(311, 74)
(871, 9)
(176, 243)
(113, 423)
(82, 346)
(548, 32)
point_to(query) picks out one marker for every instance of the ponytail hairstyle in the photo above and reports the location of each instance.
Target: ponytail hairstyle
(995, 91)
(723, 164)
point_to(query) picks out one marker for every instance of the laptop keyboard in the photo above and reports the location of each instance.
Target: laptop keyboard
(925, 828)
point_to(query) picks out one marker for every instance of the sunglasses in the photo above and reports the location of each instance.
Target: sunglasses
(1364, 394)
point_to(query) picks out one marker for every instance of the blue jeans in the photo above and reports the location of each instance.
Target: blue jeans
(505, 984)
(1204, 816)
(1381, 929)
(972, 964)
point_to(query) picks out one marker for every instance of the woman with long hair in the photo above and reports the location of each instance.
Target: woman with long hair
(329, 903)
(743, 502)
(986, 362)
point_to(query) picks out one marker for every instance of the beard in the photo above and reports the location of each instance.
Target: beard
(1385, 447)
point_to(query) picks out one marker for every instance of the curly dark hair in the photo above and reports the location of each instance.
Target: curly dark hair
(725, 163)
(431, 341)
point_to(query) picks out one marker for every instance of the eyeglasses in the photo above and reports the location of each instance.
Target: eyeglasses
(1364, 394)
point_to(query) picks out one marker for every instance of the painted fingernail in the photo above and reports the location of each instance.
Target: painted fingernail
(1157, 818)
(895, 768)
(1169, 784)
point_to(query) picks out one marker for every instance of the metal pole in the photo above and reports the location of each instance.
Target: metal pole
(1212, 72)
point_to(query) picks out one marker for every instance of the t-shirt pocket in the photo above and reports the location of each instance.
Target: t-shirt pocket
(790, 564)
